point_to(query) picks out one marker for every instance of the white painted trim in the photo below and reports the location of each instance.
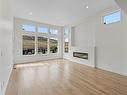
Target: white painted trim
(109, 13)
(19, 58)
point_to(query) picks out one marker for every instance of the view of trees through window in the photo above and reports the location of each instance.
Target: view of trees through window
(42, 45)
(66, 45)
(28, 45)
(53, 41)
(42, 40)
(53, 45)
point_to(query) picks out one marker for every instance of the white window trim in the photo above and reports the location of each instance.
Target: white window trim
(34, 44)
(109, 13)
(39, 34)
(64, 42)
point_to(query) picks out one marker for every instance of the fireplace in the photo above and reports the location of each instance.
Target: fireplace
(80, 55)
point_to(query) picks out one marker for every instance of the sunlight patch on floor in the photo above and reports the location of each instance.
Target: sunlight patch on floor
(31, 65)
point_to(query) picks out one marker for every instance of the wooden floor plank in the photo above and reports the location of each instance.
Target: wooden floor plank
(62, 77)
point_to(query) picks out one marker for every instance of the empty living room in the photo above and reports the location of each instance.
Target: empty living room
(63, 47)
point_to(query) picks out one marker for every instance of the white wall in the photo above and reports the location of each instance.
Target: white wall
(110, 41)
(18, 57)
(84, 34)
(6, 30)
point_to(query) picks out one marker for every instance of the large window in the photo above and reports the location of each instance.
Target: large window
(42, 45)
(28, 45)
(43, 40)
(66, 40)
(112, 18)
(28, 28)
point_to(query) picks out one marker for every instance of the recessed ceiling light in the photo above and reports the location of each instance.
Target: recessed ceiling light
(30, 13)
(87, 7)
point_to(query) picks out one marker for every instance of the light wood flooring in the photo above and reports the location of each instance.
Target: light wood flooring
(62, 77)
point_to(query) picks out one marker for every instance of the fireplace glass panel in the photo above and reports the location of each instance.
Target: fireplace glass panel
(80, 55)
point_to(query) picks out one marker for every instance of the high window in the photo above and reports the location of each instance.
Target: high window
(43, 30)
(112, 18)
(28, 28)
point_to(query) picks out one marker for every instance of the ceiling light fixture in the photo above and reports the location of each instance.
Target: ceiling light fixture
(87, 7)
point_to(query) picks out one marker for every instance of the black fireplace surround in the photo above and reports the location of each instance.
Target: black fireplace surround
(80, 55)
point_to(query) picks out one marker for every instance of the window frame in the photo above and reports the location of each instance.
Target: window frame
(28, 31)
(40, 34)
(54, 36)
(47, 45)
(34, 44)
(110, 13)
(64, 37)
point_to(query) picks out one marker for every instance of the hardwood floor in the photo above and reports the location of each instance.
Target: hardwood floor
(62, 77)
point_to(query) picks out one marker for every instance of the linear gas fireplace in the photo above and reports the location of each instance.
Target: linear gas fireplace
(80, 55)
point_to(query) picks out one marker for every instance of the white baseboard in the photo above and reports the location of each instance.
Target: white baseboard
(112, 71)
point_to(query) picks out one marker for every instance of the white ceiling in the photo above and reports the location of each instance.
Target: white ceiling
(58, 12)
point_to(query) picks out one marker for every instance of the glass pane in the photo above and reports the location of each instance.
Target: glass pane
(53, 45)
(66, 45)
(28, 45)
(112, 18)
(53, 32)
(43, 30)
(66, 33)
(66, 40)
(28, 28)
(42, 45)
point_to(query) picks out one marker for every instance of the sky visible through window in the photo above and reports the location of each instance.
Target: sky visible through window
(28, 28)
(66, 35)
(43, 30)
(53, 31)
(112, 18)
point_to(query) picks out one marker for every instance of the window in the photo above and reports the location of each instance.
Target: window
(28, 28)
(53, 45)
(53, 40)
(42, 45)
(53, 32)
(40, 40)
(43, 30)
(28, 45)
(66, 40)
(112, 18)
